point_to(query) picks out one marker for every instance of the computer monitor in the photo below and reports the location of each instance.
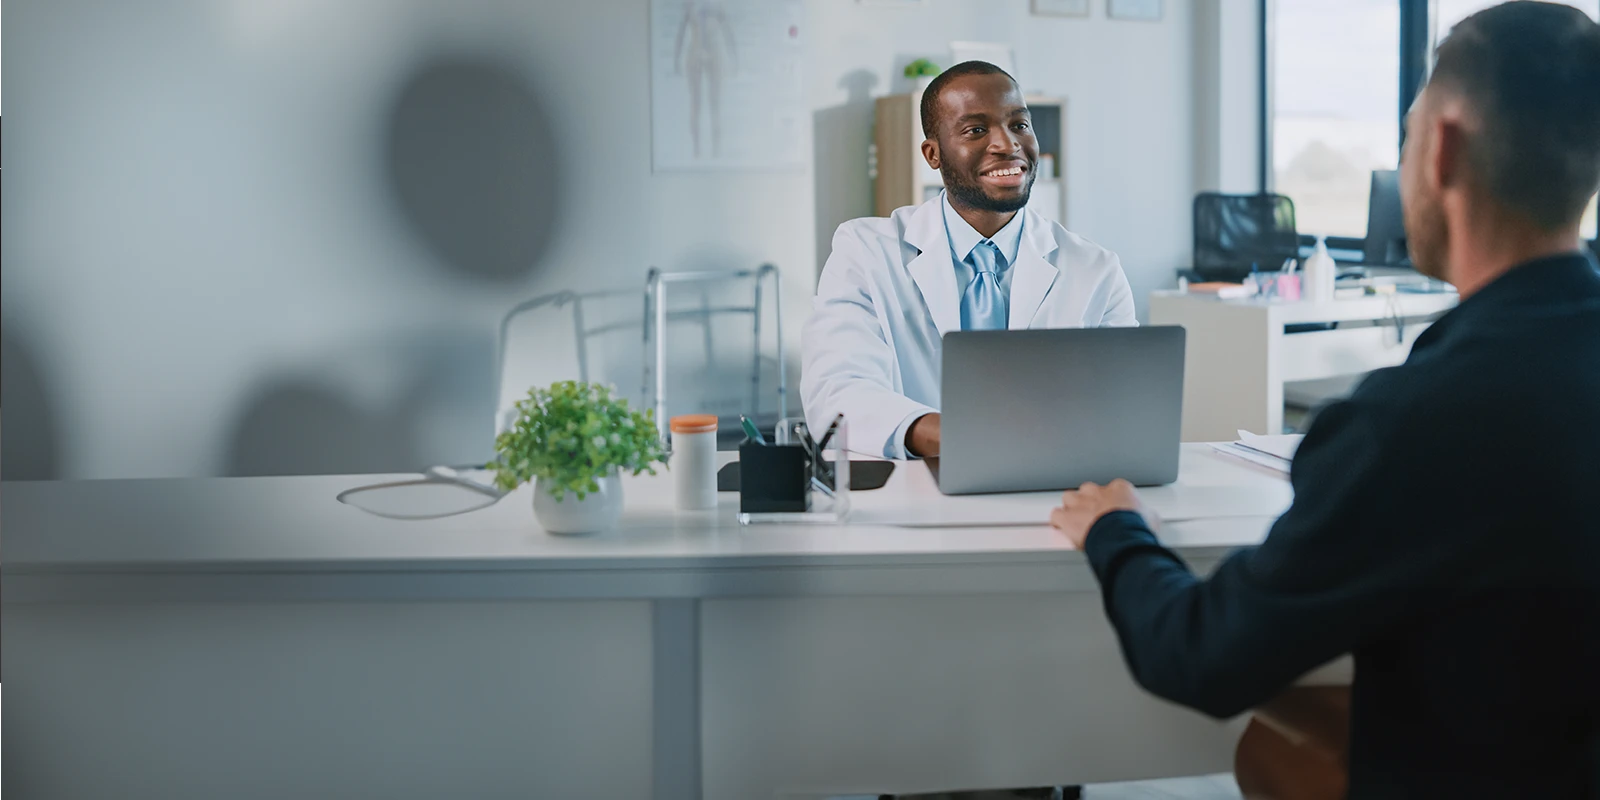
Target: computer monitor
(1386, 228)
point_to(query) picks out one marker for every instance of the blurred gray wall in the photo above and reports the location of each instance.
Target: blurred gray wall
(269, 236)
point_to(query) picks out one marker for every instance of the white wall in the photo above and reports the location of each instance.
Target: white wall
(1227, 95)
(209, 272)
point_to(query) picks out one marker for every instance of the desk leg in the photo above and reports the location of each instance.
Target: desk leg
(675, 643)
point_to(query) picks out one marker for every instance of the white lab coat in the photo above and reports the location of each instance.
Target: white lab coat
(888, 294)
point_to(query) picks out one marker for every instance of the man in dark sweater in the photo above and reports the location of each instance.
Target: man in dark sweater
(1446, 522)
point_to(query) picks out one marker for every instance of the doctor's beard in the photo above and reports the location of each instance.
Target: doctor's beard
(972, 195)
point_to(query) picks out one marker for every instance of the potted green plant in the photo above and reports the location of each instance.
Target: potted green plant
(573, 440)
(921, 73)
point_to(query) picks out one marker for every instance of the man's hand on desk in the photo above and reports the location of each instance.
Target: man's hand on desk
(922, 438)
(1081, 508)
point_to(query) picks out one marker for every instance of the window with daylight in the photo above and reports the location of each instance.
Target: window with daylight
(1338, 75)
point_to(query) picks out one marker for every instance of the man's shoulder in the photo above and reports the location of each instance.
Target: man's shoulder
(876, 229)
(1459, 397)
(885, 229)
(864, 245)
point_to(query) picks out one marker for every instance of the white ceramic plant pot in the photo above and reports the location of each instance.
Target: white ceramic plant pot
(569, 516)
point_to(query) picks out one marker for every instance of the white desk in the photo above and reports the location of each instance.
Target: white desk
(1239, 357)
(254, 638)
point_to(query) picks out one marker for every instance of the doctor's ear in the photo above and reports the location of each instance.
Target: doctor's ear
(930, 151)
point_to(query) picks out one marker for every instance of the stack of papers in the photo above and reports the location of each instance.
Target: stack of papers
(1273, 452)
(1223, 291)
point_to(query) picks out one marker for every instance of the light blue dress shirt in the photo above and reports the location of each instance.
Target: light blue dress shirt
(963, 238)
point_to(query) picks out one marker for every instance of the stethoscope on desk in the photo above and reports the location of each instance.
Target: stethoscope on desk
(486, 495)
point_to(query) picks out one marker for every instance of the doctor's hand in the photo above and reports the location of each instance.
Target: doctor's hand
(1081, 508)
(922, 438)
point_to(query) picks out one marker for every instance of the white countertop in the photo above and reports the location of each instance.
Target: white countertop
(230, 529)
(1280, 312)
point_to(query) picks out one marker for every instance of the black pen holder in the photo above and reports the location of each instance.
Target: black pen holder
(773, 479)
(796, 479)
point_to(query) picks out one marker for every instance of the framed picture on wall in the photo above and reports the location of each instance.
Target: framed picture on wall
(1061, 8)
(713, 105)
(1140, 10)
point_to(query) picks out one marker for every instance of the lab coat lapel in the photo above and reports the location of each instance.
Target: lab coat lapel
(1035, 275)
(932, 268)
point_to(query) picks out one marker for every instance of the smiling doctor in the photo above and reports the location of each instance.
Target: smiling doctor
(974, 258)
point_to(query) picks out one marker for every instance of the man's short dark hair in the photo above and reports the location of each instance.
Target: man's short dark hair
(1532, 72)
(930, 96)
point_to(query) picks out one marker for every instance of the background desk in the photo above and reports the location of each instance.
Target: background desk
(253, 638)
(1239, 356)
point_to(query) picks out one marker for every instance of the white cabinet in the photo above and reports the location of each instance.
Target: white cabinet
(1240, 353)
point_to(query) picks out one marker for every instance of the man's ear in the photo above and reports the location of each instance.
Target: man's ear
(930, 152)
(1447, 162)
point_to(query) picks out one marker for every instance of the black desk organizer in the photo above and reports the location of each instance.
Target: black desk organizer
(796, 479)
(864, 475)
(774, 478)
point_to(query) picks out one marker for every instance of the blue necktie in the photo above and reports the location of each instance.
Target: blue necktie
(983, 306)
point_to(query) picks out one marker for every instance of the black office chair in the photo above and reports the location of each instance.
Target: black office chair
(1232, 232)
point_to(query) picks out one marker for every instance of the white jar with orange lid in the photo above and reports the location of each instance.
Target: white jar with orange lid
(694, 460)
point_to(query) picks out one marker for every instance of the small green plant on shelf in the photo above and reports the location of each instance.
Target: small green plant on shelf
(571, 435)
(922, 68)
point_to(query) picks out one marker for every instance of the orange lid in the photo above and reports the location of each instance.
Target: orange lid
(694, 423)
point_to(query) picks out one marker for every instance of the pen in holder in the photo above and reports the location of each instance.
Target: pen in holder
(798, 478)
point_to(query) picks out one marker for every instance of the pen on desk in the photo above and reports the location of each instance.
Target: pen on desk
(827, 435)
(751, 430)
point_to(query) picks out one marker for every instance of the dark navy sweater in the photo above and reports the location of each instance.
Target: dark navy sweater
(1446, 531)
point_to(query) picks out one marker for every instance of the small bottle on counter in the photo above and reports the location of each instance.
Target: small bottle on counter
(1320, 273)
(694, 460)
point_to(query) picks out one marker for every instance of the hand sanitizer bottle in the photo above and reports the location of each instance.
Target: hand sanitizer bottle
(1320, 273)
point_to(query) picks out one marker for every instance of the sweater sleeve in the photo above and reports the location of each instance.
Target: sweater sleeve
(1334, 568)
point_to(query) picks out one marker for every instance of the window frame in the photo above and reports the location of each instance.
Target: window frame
(1414, 63)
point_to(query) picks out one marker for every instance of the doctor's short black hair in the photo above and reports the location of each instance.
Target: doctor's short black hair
(930, 97)
(1532, 72)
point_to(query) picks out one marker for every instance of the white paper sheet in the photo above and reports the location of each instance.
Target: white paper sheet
(1268, 460)
(1282, 446)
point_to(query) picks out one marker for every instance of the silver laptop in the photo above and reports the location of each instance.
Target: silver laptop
(1036, 410)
